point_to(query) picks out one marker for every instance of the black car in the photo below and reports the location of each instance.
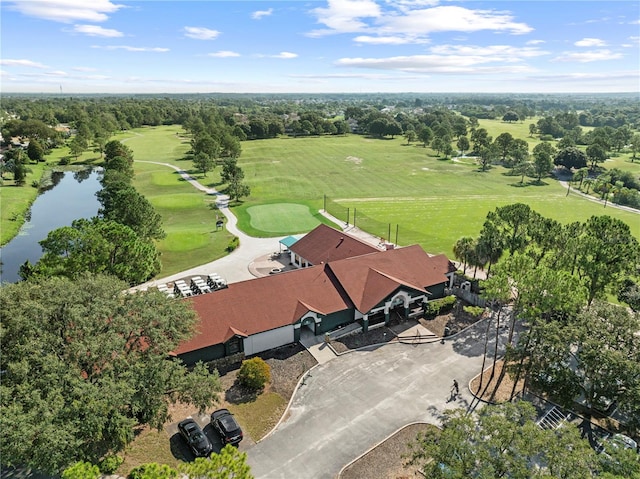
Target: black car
(227, 426)
(195, 437)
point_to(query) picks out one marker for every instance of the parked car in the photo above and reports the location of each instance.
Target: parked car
(227, 426)
(196, 439)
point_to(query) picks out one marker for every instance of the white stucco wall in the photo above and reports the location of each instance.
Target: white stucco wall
(268, 340)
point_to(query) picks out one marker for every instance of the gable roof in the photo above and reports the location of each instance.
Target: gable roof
(261, 304)
(324, 244)
(257, 305)
(369, 279)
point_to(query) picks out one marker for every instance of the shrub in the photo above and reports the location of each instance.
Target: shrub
(438, 306)
(254, 373)
(233, 244)
(64, 161)
(109, 464)
(153, 470)
(81, 470)
(475, 311)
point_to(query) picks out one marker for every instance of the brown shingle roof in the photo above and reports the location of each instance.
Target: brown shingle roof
(369, 279)
(324, 244)
(262, 304)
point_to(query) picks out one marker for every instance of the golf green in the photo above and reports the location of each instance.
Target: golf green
(282, 217)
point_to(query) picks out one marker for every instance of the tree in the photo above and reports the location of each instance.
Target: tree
(571, 158)
(542, 162)
(635, 146)
(510, 116)
(592, 356)
(596, 154)
(502, 441)
(203, 162)
(463, 144)
(205, 144)
(122, 203)
(19, 171)
(35, 151)
(77, 146)
(103, 367)
(254, 373)
(228, 464)
(533, 129)
(233, 175)
(606, 252)
(503, 142)
(462, 250)
(115, 148)
(518, 152)
(629, 293)
(425, 135)
(99, 246)
(512, 222)
(480, 139)
(410, 135)
(487, 155)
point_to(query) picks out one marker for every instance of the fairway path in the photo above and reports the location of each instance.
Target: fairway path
(235, 266)
(597, 200)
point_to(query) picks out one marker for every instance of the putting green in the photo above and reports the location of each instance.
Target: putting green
(282, 217)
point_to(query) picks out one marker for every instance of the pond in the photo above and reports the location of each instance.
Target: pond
(71, 196)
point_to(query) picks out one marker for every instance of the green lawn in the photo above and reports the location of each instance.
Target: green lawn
(433, 201)
(406, 188)
(188, 215)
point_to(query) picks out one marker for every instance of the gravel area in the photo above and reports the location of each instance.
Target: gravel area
(388, 459)
(456, 321)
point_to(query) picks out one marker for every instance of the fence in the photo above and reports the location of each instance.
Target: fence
(390, 232)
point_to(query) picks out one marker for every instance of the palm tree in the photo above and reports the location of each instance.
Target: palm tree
(462, 249)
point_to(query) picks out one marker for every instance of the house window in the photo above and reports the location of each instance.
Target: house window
(234, 345)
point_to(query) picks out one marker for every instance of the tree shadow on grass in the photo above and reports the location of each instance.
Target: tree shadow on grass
(238, 394)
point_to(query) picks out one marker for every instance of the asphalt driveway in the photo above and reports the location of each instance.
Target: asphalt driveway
(353, 402)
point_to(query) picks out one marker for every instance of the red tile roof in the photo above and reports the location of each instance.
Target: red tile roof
(324, 244)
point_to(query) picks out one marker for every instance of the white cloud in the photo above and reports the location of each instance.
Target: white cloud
(96, 31)
(403, 21)
(535, 42)
(343, 16)
(85, 69)
(56, 73)
(590, 42)
(458, 59)
(66, 11)
(282, 55)
(503, 53)
(586, 57)
(201, 33)
(131, 49)
(458, 64)
(223, 54)
(257, 15)
(21, 63)
(391, 40)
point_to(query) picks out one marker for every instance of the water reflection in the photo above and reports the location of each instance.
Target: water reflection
(70, 197)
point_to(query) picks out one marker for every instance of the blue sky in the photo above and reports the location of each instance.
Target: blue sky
(359, 46)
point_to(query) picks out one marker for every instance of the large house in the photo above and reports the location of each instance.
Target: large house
(264, 313)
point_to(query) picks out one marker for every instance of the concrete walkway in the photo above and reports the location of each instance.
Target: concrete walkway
(235, 266)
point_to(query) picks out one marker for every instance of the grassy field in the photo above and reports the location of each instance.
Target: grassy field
(433, 201)
(188, 215)
(406, 188)
(15, 201)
